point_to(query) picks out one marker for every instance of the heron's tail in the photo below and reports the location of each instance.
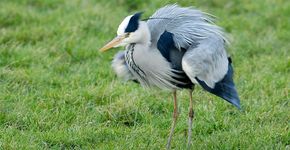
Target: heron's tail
(225, 88)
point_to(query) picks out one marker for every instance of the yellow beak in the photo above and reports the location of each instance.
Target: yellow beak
(117, 40)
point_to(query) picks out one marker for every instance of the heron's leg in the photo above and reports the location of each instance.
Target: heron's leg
(190, 118)
(175, 115)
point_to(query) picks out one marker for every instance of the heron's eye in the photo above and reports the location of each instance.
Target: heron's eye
(127, 34)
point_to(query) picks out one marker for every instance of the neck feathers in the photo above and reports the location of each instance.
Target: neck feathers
(145, 36)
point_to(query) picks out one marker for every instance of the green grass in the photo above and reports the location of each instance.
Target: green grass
(58, 91)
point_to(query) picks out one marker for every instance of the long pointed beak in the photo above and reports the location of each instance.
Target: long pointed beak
(117, 40)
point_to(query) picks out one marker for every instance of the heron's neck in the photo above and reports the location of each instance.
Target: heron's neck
(145, 36)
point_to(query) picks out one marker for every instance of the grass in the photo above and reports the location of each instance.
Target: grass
(58, 92)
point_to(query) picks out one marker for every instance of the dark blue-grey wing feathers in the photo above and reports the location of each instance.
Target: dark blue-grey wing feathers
(166, 47)
(224, 88)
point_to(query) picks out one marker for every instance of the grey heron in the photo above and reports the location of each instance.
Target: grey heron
(176, 48)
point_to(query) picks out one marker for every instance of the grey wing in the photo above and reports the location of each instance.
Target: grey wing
(120, 67)
(208, 65)
(188, 25)
(207, 61)
(196, 32)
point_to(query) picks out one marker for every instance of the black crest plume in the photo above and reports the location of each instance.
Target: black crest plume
(133, 22)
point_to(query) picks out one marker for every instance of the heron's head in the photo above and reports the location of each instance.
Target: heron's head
(131, 30)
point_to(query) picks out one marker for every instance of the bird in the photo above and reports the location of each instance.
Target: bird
(174, 49)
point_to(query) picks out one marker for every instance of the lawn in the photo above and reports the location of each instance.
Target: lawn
(57, 91)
